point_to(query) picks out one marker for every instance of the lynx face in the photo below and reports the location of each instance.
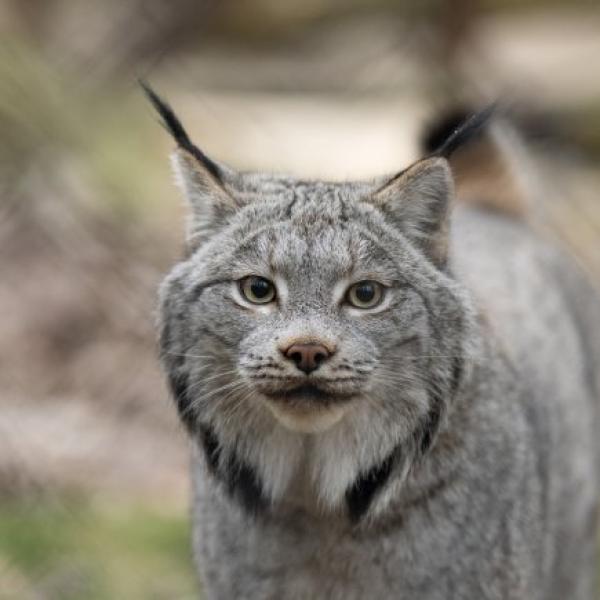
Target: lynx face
(306, 316)
(312, 325)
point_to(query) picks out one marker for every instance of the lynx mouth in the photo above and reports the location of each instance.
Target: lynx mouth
(310, 393)
(308, 407)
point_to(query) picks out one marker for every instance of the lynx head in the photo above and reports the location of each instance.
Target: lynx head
(312, 329)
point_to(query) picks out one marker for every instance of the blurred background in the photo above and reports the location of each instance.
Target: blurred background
(93, 465)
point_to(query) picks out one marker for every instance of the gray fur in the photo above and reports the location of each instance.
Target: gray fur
(458, 459)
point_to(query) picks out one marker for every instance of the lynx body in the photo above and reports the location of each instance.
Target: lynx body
(439, 442)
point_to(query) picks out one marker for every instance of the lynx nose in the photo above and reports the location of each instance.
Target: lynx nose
(307, 357)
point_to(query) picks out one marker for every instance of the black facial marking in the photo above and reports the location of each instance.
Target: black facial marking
(425, 434)
(344, 215)
(177, 377)
(364, 489)
(216, 336)
(199, 289)
(405, 341)
(240, 480)
(290, 206)
(178, 383)
(457, 371)
(212, 450)
(245, 486)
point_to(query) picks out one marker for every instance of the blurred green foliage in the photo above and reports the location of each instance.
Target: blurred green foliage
(54, 122)
(77, 551)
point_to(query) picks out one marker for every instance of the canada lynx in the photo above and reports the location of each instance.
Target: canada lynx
(386, 400)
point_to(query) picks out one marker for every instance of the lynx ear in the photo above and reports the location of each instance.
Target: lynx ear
(201, 180)
(417, 202)
(210, 202)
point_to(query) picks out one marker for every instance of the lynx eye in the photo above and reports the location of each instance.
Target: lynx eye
(364, 294)
(257, 290)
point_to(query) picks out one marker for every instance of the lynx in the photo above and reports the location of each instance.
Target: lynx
(389, 396)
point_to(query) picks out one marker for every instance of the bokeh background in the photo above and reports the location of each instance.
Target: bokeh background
(93, 482)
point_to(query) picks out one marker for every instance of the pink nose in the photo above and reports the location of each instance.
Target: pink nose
(307, 357)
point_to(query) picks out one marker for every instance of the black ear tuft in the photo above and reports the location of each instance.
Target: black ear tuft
(173, 125)
(454, 129)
